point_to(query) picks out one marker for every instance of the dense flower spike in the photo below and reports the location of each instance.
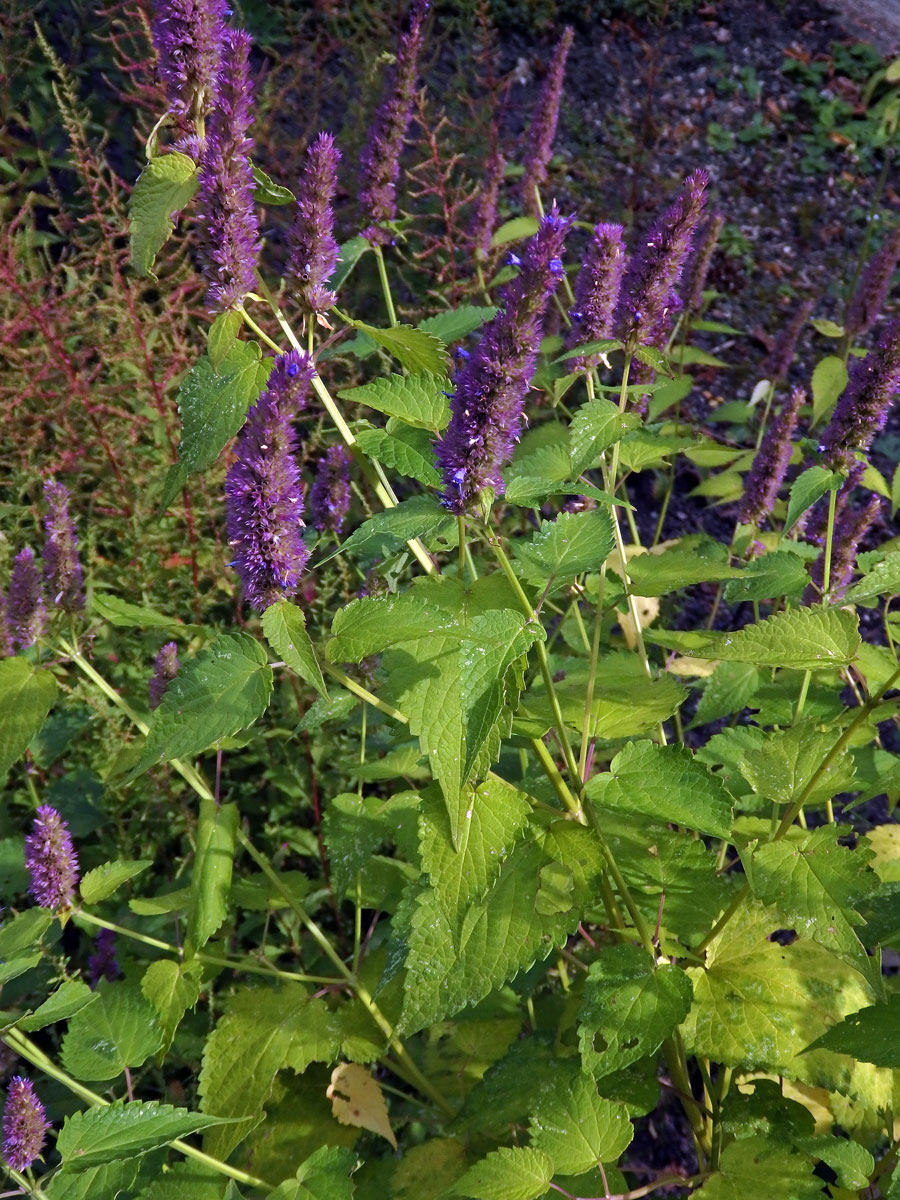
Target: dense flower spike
(871, 291)
(165, 668)
(51, 860)
(26, 613)
(188, 37)
(329, 498)
(486, 408)
(543, 124)
(765, 477)
(863, 408)
(380, 160)
(781, 355)
(849, 530)
(484, 210)
(648, 293)
(229, 227)
(25, 1124)
(62, 569)
(103, 963)
(698, 268)
(597, 292)
(313, 250)
(264, 494)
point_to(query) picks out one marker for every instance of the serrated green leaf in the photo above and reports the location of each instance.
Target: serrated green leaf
(784, 764)
(456, 323)
(172, 988)
(882, 580)
(222, 336)
(660, 574)
(595, 427)
(129, 616)
(667, 783)
(365, 626)
(285, 628)
(187, 1180)
(107, 1182)
(773, 575)
(123, 1129)
(630, 1007)
(69, 998)
(570, 545)
(325, 1175)
(213, 403)
(215, 695)
(25, 930)
(598, 346)
(103, 881)
(352, 833)
(510, 1173)
(427, 1171)
(806, 489)
(578, 1128)
(267, 191)
(829, 378)
(26, 696)
(413, 348)
(653, 358)
(872, 1035)
(754, 1167)
(515, 230)
(119, 1030)
(211, 876)
(728, 690)
(164, 187)
(418, 517)
(419, 400)
(401, 453)
(643, 448)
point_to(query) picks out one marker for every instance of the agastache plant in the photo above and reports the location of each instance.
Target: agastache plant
(229, 228)
(380, 160)
(542, 131)
(765, 477)
(263, 489)
(25, 1125)
(313, 249)
(486, 406)
(26, 611)
(62, 567)
(484, 209)
(862, 409)
(329, 497)
(165, 668)
(871, 291)
(187, 35)
(103, 963)
(778, 362)
(701, 260)
(597, 291)
(50, 860)
(849, 530)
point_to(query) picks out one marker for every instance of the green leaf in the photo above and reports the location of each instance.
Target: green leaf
(644, 448)
(653, 358)
(26, 696)
(119, 1030)
(419, 400)
(325, 1175)
(784, 764)
(164, 187)
(806, 489)
(365, 626)
(754, 1167)
(882, 580)
(348, 256)
(630, 1007)
(518, 1173)
(773, 575)
(122, 1129)
(413, 348)
(829, 378)
(829, 329)
(211, 876)
(23, 931)
(515, 230)
(129, 616)
(426, 1171)
(728, 690)
(107, 1182)
(598, 346)
(660, 574)
(852, 1163)
(214, 402)
(577, 1128)
(595, 427)
(418, 517)
(103, 881)
(284, 625)
(667, 783)
(222, 335)
(456, 323)
(872, 1035)
(172, 988)
(352, 834)
(267, 191)
(401, 453)
(263, 1031)
(570, 545)
(215, 695)
(69, 998)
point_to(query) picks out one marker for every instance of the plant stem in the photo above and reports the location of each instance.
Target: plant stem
(385, 284)
(829, 540)
(364, 694)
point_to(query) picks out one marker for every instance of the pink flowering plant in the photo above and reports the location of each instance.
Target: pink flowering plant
(475, 827)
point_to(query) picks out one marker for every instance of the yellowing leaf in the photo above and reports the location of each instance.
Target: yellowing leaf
(356, 1099)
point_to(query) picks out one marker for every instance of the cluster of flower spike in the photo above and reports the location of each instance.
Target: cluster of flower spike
(313, 250)
(863, 408)
(543, 125)
(597, 292)
(765, 477)
(165, 668)
(25, 1125)
(329, 497)
(187, 35)
(51, 860)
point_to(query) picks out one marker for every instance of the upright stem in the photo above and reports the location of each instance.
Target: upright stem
(829, 540)
(385, 285)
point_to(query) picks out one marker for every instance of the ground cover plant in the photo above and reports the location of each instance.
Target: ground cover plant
(398, 805)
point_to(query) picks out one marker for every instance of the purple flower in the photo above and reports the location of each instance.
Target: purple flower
(26, 613)
(380, 159)
(698, 268)
(51, 860)
(648, 292)
(62, 569)
(863, 408)
(103, 964)
(229, 230)
(871, 291)
(188, 37)
(329, 498)
(25, 1124)
(313, 250)
(484, 209)
(263, 491)
(778, 363)
(486, 408)
(543, 124)
(597, 292)
(165, 668)
(765, 477)
(849, 530)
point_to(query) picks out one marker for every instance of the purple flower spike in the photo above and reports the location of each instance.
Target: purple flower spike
(329, 499)
(872, 289)
(62, 569)
(543, 124)
(648, 293)
(188, 37)
(380, 160)
(597, 292)
(165, 668)
(103, 963)
(51, 860)
(849, 530)
(781, 355)
(263, 490)
(486, 408)
(229, 241)
(765, 477)
(700, 263)
(484, 209)
(313, 250)
(863, 408)
(26, 613)
(25, 1124)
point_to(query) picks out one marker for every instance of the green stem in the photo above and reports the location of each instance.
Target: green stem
(385, 284)
(761, 432)
(801, 699)
(461, 527)
(829, 540)
(364, 694)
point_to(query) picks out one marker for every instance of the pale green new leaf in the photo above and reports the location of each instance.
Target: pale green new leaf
(211, 876)
(267, 191)
(754, 1167)
(510, 1173)
(419, 400)
(123, 1129)
(213, 403)
(121, 1029)
(577, 1128)
(806, 489)
(413, 348)
(871, 1035)
(164, 187)
(172, 988)
(26, 696)
(569, 546)
(595, 427)
(457, 323)
(285, 628)
(103, 881)
(412, 457)
(69, 998)
(829, 378)
(514, 230)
